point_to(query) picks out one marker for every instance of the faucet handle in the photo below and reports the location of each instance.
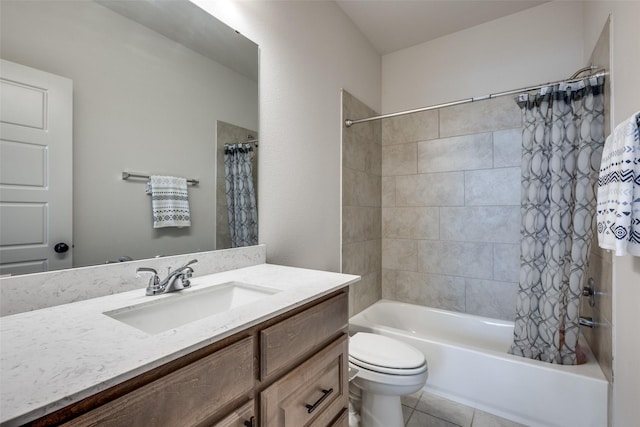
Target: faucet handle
(154, 281)
(185, 282)
(146, 270)
(193, 261)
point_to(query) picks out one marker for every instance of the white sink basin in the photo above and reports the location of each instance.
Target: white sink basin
(179, 308)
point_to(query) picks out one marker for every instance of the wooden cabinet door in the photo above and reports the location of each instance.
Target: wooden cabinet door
(290, 341)
(343, 419)
(313, 394)
(186, 397)
(242, 417)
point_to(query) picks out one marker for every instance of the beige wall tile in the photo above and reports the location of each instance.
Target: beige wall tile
(495, 224)
(491, 115)
(445, 292)
(360, 188)
(410, 128)
(388, 283)
(506, 262)
(354, 109)
(473, 260)
(492, 187)
(373, 159)
(434, 189)
(600, 269)
(491, 298)
(361, 202)
(410, 223)
(600, 341)
(364, 293)
(399, 159)
(400, 254)
(349, 187)
(354, 154)
(361, 258)
(388, 191)
(360, 223)
(507, 148)
(458, 153)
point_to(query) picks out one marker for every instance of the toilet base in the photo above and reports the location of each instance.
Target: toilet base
(379, 410)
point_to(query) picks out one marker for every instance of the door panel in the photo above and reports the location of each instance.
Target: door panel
(36, 113)
(23, 105)
(23, 164)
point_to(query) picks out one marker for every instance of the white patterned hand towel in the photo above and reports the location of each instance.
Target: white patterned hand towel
(169, 201)
(618, 211)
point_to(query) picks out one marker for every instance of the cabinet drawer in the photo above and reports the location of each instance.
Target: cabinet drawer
(185, 397)
(241, 417)
(343, 419)
(287, 342)
(313, 394)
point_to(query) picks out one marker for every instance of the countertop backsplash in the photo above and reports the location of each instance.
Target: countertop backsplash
(41, 290)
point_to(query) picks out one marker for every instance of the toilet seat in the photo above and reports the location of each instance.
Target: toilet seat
(385, 355)
(386, 369)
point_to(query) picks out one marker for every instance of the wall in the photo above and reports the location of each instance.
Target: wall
(451, 207)
(141, 87)
(625, 67)
(308, 52)
(361, 201)
(534, 46)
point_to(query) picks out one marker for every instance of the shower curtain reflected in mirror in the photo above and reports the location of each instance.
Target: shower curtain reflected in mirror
(563, 137)
(241, 196)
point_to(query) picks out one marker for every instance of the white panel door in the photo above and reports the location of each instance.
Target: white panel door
(36, 116)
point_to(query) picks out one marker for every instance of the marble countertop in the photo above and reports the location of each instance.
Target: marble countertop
(56, 356)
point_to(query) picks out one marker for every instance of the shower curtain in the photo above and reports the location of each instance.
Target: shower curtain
(241, 196)
(563, 136)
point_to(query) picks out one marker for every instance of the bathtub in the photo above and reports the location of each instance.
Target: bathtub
(468, 363)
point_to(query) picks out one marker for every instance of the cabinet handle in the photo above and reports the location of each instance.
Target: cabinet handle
(325, 394)
(249, 422)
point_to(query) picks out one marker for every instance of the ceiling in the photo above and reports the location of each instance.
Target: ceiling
(392, 25)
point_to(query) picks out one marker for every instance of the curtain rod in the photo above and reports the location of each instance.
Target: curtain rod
(254, 142)
(348, 122)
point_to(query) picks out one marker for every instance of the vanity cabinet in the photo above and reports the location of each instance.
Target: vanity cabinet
(188, 396)
(290, 370)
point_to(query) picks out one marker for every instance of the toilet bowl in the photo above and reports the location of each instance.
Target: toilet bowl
(386, 369)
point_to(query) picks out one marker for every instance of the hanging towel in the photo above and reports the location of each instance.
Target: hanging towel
(618, 211)
(169, 201)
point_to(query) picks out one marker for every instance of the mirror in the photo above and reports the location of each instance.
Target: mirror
(159, 87)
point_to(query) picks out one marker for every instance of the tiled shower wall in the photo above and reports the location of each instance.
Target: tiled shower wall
(361, 215)
(600, 262)
(450, 207)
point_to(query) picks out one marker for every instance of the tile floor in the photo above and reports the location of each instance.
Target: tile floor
(424, 409)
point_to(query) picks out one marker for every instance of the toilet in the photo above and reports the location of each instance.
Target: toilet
(383, 370)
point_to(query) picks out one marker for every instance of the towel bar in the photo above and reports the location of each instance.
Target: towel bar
(127, 175)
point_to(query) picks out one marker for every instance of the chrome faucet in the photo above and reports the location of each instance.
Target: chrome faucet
(176, 280)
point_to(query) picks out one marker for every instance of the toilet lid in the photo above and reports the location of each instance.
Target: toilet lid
(385, 352)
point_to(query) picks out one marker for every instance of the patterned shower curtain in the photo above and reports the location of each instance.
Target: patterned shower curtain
(563, 137)
(241, 196)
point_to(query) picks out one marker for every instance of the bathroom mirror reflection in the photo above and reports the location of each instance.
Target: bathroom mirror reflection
(158, 88)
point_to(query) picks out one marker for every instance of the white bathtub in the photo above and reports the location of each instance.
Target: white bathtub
(468, 363)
